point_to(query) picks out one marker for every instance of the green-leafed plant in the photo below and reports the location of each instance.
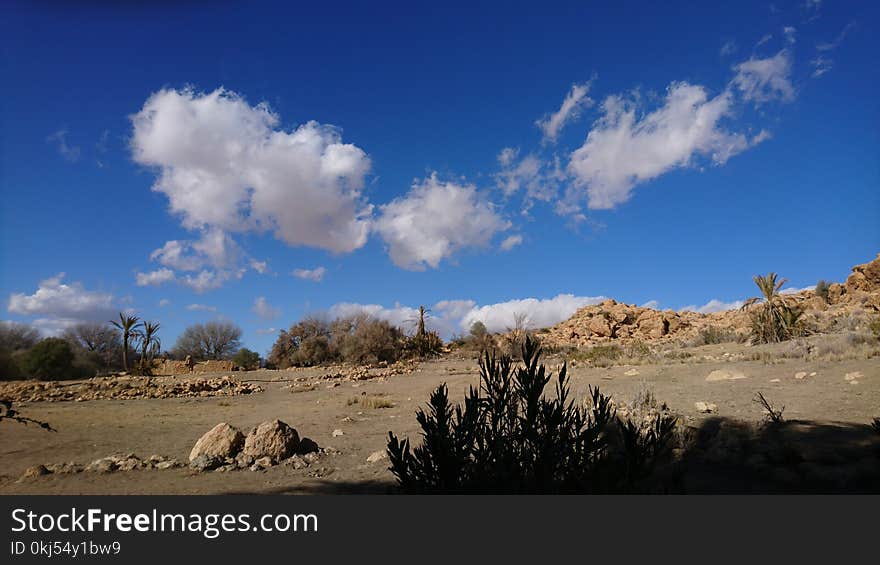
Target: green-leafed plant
(148, 339)
(50, 359)
(822, 289)
(247, 359)
(772, 318)
(509, 437)
(128, 326)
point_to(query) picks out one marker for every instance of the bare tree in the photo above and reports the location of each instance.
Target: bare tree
(15, 336)
(211, 340)
(100, 339)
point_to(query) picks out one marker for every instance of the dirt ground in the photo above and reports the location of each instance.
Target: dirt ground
(843, 395)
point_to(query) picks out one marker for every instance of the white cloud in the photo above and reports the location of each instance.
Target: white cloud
(764, 80)
(434, 220)
(225, 164)
(314, 275)
(164, 302)
(539, 178)
(61, 305)
(268, 331)
(264, 310)
(70, 153)
(790, 34)
(155, 278)
(830, 46)
(653, 304)
(797, 290)
(209, 279)
(570, 110)
(511, 242)
(713, 305)
(624, 149)
(764, 40)
(261, 267)
(729, 48)
(401, 316)
(821, 65)
(201, 308)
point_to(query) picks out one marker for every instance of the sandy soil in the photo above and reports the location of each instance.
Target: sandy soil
(94, 429)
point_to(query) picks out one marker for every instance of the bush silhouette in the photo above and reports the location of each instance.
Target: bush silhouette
(508, 437)
(51, 359)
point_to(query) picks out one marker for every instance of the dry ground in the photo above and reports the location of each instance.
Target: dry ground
(94, 429)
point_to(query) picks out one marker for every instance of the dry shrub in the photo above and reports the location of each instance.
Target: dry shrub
(371, 402)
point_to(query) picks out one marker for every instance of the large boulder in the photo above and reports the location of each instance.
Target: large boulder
(221, 442)
(273, 439)
(865, 278)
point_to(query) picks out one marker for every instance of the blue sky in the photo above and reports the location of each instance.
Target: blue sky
(188, 160)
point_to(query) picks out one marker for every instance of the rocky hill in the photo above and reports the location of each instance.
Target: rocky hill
(612, 321)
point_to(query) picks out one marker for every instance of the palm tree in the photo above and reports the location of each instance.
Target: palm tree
(149, 343)
(775, 321)
(128, 326)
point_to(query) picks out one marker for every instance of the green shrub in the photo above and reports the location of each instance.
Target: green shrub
(874, 326)
(508, 437)
(367, 340)
(247, 359)
(713, 335)
(51, 359)
(822, 289)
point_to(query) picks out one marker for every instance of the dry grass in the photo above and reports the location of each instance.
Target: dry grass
(371, 401)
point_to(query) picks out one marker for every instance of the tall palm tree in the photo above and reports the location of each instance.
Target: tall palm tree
(128, 325)
(772, 322)
(149, 343)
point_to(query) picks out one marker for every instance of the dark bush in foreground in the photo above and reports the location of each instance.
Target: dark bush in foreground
(509, 438)
(51, 359)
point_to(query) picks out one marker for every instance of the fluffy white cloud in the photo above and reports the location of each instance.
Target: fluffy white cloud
(60, 305)
(624, 149)
(434, 220)
(511, 242)
(209, 279)
(225, 164)
(539, 178)
(264, 310)
(314, 275)
(456, 316)
(653, 304)
(201, 308)
(713, 305)
(155, 278)
(791, 290)
(764, 80)
(215, 249)
(574, 101)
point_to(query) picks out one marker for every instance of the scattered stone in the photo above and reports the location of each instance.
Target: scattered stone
(377, 456)
(205, 463)
(221, 441)
(632, 372)
(273, 439)
(338, 432)
(706, 407)
(800, 375)
(103, 465)
(854, 376)
(35, 471)
(724, 375)
(775, 380)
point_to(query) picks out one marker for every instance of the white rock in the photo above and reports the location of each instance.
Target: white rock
(337, 433)
(706, 407)
(377, 456)
(724, 375)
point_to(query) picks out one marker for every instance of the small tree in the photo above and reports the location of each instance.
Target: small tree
(128, 325)
(247, 359)
(773, 320)
(212, 340)
(100, 343)
(424, 343)
(50, 359)
(150, 345)
(822, 289)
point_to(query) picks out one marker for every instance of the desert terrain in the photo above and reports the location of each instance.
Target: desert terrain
(826, 386)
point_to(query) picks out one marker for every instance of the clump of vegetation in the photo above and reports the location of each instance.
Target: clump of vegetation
(823, 289)
(50, 359)
(15, 341)
(371, 402)
(209, 341)
(773, 415)
(772, 318)
(509, 437)
(424, 343)
(874, 326)
(128, 326)
(247, 359)
(713, 335)
(8, 412)
(150, 346)
(600, 355)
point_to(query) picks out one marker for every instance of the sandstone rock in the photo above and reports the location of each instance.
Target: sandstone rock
(706, 407)
(35, 471)
(864, 278)
(103, 465)
(724, 375)
(221, 441)
(600, 327)
(205, 463)
(632, 372)
(263, 462)
(273, 439)
(800, 375)
(338, 432)
(853, 376)
(377, 456)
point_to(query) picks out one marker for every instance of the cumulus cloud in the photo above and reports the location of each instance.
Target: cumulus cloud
(209, 279)
(227, 165)
(314, 275)
(511, 242)
(765, 80)
(625, 149)
(214, 248)
(434, 220)
(59, 305)
(155, 278)
(69, 152)
(713, 305)
(264, 310)
(201, 308)
(456, 316)
(570, 110)
(539, 178)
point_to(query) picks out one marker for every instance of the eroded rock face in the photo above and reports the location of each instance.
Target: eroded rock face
(221, 441)
(273, 439)
(865, 278)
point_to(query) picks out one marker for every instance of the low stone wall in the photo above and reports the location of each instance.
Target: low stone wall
(168, 367)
